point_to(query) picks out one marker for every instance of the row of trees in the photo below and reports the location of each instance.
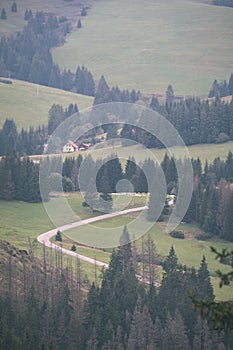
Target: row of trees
(212, 199)
(223, 88)
(44, 308)
(197, 122)
(26, 142)
(19, 179)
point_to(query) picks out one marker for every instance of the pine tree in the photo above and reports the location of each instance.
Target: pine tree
(175, 333)
(102, 92)
(3, 14)
(170, 95)
(58, 236)
(56, 117)
(14, 7)
(205, 289)
(154, 104)
(171, 262)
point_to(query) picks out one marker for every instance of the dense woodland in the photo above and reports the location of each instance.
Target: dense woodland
(211, 205)
(46, 306)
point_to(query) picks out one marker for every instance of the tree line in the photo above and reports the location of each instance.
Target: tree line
(19, 179)
(197, 121)
(212, 198)
(45, 307)
(223, 88)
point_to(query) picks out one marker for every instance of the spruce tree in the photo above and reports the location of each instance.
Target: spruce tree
(3, 14)
(14, 7)
(102, 92)
(205, 288)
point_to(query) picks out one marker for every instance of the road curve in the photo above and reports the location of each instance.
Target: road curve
(45, 238)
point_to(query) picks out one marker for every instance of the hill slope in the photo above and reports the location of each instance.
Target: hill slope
(150, 44)
(28, 104)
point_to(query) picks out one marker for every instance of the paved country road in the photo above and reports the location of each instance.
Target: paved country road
(45, 238)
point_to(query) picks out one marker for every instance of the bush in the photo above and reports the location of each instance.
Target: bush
(58, 236)
(73, 248)
(177, 234)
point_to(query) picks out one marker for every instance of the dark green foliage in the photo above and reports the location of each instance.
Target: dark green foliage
(101, 95)
(67, 184)
(218, 314)
(121, 314)
(19, 179)
(84, 82)
(223, 88)
(177, 234)
(56, 117)
(154, 104)
(58, 236)
(3, 14)
(14, 7)
(28, 15)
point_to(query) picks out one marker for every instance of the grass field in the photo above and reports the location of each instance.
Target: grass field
(149, 44)
(15, 21)
(28, 104)
(21, 221)
(204, 152)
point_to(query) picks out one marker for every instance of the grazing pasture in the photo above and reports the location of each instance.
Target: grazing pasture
(149, 44)
(28, 104)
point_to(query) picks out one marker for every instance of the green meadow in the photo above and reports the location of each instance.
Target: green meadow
(23, 221)
(204, 151)
(149, 44)
(28, 104)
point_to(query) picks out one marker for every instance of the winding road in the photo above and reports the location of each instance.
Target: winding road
(45, 238)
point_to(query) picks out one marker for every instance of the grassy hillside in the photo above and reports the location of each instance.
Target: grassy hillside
(149, 44)
(28, 104)
(15, 21)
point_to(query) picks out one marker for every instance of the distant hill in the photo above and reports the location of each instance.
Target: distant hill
(28, 104)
